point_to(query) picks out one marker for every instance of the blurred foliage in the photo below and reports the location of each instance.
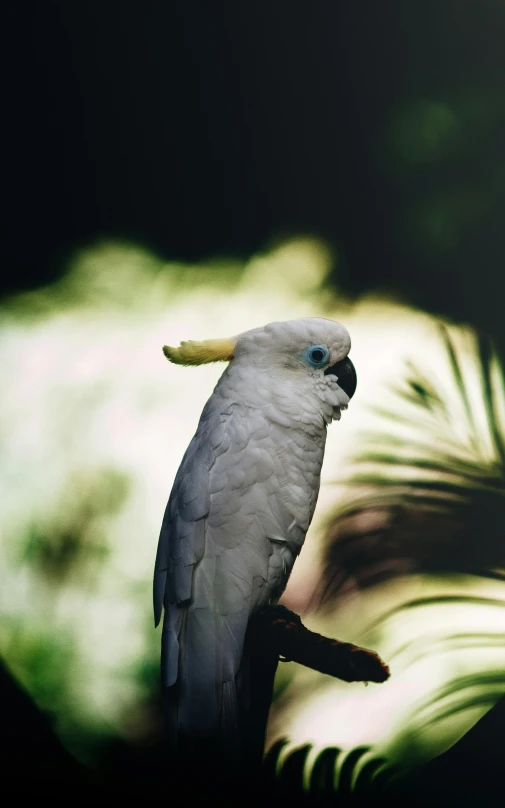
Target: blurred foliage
(74, 541)
(433, 473)
(358, 773)
(437, 151)
(41, 659)
(412, 475)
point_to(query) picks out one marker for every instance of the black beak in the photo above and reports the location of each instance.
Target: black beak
(346, 375)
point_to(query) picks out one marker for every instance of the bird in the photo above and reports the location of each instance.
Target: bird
(239, 510)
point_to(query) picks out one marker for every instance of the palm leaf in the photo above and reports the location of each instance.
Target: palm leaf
(328, 772)
(427, 493)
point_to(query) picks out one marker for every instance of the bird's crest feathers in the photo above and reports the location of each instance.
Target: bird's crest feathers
(201, 353)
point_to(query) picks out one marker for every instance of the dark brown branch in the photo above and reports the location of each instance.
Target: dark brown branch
(343, 660)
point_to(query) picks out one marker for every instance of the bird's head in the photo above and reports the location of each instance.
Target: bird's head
(303, 360)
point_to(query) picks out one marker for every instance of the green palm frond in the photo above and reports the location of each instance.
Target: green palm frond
(322, 778)
(426, 489)
(329, 772)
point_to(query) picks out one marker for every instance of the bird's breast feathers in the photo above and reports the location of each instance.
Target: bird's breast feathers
(245, 486)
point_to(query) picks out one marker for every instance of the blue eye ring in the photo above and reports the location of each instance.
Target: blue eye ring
(317, 356)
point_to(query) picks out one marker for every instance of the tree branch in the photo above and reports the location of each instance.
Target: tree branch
(342, 660)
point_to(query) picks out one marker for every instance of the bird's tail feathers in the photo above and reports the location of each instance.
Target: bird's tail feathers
(202, 711)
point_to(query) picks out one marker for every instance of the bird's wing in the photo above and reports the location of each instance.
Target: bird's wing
(181, 543)
(215, 559)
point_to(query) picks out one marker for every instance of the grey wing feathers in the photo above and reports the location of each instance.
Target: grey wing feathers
(213, 561)
(181, 543)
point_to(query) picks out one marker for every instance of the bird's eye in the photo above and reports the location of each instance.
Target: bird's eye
(317, 355)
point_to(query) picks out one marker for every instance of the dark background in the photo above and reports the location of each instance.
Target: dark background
(206, 128)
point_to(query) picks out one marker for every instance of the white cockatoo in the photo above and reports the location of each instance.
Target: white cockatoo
(240, 507)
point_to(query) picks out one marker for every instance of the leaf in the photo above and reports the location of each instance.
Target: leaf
(322, 777)
(428, 494)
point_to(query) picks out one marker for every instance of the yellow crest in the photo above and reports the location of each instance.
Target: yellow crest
(200, 353)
